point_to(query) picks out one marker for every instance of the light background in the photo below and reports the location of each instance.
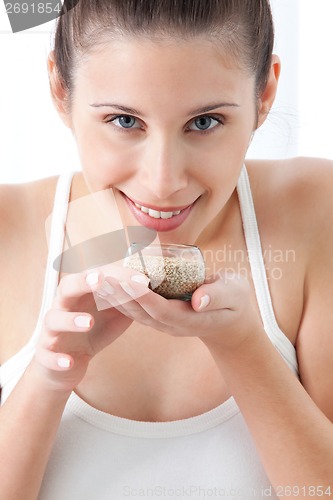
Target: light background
(34, 143)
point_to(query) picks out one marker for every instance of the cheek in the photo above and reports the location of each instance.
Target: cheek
(103, 160)
(224, 157)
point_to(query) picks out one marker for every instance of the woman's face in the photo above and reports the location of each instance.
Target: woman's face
(167, 125)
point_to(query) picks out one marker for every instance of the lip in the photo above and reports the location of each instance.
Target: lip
(155, 207)
(159, 225)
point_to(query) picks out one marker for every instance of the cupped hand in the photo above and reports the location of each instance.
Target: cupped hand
(80, 323)
(219, 313)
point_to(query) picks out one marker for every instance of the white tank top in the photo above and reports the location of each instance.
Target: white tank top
(98, 456)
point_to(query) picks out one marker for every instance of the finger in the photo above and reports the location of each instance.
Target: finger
(54, 360)
(125, 300)
(56, 321)
(128, 290)
(73, 286)
(152, 309)
(122, 273)
(111, 302)
(133, 310)
(226, 292)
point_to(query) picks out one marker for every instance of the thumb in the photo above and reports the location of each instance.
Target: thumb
(227, 291)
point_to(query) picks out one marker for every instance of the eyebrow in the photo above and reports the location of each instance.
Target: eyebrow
(196, 111)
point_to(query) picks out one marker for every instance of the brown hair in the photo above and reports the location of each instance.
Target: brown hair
(244, 27)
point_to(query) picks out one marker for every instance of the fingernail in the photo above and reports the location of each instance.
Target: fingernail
(64, 363)
(127, 288)
(204, 301)
(140, 278)
(92, 279)
(82, 321)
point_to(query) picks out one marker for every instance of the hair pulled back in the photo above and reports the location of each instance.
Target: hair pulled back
(243, 27)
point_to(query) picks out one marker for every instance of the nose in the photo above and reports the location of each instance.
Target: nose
(163, 169)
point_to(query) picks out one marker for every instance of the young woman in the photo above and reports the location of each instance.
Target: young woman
(229, 394)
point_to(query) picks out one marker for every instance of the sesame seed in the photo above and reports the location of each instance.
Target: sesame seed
(170, 277)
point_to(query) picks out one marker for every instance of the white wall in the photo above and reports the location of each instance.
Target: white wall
(316, 78)
(278, 137)
(34, 143)
(301, 120)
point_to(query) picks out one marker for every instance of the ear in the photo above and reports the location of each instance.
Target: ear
(267, 98)
(58, 92)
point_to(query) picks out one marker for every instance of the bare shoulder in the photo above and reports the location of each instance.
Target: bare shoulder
(13, 218)
(23, 211)
(294, 201)
(295, 192)
(298, 193)
(295, 179)
(20, 204)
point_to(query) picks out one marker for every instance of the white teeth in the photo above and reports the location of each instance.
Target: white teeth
(167, 215)
(156, 214)
(160, 215)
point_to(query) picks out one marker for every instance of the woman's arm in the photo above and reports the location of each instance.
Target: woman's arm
(293, 436)
(29, 420)
(31, 415)
(290, 422)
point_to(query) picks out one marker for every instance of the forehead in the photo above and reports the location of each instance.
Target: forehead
(161, 69)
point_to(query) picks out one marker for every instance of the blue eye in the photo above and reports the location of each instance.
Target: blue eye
(204, 123)
(125, 121)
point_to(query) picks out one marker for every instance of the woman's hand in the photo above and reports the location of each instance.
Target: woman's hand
(220, 312)
(81, 322)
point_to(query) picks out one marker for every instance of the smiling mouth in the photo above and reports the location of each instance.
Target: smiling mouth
(160, 220)
(156, 214)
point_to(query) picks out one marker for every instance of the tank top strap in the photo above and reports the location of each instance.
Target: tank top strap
(56, 242)
(13, 367)
(259, 276)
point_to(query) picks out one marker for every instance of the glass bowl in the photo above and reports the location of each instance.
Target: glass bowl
(175, 271)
